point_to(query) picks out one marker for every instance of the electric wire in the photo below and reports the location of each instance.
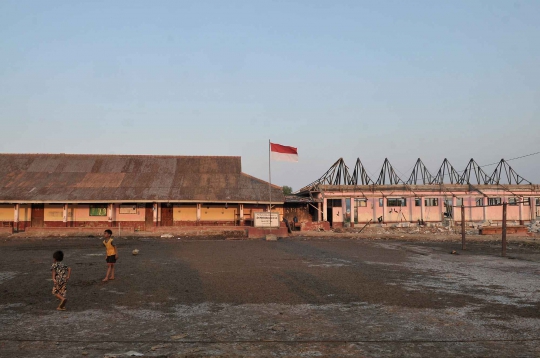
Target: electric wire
(261, 341)
(444, 174)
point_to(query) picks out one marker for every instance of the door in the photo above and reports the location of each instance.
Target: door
(166, 215)
(449, 212)
(38, 214)
(149, 216)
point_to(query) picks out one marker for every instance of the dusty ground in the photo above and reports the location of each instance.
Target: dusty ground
(319, 296)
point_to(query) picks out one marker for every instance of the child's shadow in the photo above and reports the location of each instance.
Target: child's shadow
(84, 283)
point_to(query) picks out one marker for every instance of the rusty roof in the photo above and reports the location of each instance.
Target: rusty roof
(301, 199)
(91, 178)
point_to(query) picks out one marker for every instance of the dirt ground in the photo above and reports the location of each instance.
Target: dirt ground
(331, 294)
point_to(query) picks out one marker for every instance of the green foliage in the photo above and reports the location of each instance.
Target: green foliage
(287, 190)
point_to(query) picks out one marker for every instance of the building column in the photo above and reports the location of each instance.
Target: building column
(199, 212)
(241, 216)
(325, 209)
(353, 212)
(442, 207)
(484, 208)
(472, 201)
(319, 213)
(454, 199)
(155, 207)
(383, 209)
(110, 214)
(422, 204)
(521, 221)
(410, 202)
(16, 217)
(374, 204)
(64, 214)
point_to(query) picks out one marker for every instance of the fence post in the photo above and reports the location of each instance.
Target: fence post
(504, 230)
(462, 227)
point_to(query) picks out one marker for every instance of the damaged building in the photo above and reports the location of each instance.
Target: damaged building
(344, 197)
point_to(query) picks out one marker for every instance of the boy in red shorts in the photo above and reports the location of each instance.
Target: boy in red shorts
(112, 255)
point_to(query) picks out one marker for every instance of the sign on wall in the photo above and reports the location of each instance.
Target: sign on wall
(263, 219)
(128, 209)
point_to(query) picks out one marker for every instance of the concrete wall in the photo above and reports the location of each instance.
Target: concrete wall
(7, 212)
(185, 212)
(131, 216)
(300, 211)
(413, 213)
(365, 213)
(139, 215)
(212, 212)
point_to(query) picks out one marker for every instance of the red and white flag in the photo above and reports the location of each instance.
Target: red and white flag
(283, 153)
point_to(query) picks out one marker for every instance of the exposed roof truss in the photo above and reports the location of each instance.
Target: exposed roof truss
(339, 174)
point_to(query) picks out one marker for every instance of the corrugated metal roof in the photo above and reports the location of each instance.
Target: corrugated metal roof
(78, 177)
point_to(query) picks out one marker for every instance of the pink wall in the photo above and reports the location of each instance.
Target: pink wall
(413, 213)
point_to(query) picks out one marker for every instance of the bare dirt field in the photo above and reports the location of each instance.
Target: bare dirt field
(332, 294)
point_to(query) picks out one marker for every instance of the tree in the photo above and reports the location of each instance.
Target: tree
(287, 190)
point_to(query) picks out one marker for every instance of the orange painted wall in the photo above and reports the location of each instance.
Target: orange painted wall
(7, 212)
(185, 212)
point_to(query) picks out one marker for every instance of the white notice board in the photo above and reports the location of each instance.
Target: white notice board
(262, 219)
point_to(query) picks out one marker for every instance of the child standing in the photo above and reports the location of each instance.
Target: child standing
(60, 276)
(112, 255)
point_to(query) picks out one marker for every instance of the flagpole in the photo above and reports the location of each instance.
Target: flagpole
(270, 183)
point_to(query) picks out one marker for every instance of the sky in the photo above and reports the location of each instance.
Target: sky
(337, 79)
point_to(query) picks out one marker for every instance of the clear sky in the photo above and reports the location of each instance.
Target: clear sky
(369, 79)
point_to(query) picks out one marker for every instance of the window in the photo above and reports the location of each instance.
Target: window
(480, 202)
(98, 210)
(417, 202)
(361, 202)
(396, 202)
(537, 202)
(527, 201)
(494, 201)
(513, 201)
(459, 201)
(334, 203)
(432, 202)
(381, 202)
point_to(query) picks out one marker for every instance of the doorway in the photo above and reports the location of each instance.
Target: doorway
(166, 214)
(148, 216)
(38, 214)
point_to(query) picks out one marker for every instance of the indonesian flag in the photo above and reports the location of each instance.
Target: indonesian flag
(283, 153)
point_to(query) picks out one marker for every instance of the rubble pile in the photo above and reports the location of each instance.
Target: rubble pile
(406, 229)
(534, 226)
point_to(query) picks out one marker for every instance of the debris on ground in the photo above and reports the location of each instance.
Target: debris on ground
(534, 226)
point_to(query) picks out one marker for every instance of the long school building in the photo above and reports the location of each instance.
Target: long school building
(134, 192)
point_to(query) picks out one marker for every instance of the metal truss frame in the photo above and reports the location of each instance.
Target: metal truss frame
(339, 174)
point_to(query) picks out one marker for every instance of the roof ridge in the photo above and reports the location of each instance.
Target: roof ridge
(126, 155)
(263, 181)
